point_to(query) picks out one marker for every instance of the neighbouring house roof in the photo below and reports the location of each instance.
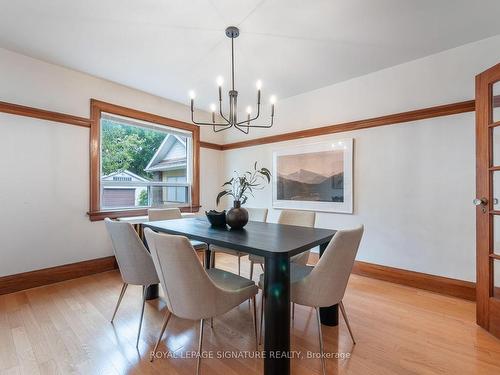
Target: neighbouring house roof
(124, 175)
(170, 155)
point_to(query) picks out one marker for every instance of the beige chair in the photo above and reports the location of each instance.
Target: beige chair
(134, 261)
(192, 292)
(324, 284)
(159, 214)
(289, 217)
(254, 214)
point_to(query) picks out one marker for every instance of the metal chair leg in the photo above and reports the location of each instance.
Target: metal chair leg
(261, 317)
(251, 270)
(168, 314)
(144, 289)
(254, 303)
(199, 348)
(239, 265)
(212, 259)
(344, 314)
(321, 342)
(124, 288)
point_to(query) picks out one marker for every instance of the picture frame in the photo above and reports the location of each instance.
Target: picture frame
(314, 177)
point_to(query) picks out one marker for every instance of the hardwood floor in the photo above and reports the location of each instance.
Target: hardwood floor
(64, 328)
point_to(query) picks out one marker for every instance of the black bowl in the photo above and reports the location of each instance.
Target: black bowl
(217, 219)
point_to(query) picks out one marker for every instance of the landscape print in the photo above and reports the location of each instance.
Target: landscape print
(312, 176)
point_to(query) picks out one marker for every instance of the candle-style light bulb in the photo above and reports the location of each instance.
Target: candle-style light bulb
(272, 99)
(220, 81)
(249, 110)
(258, 84)
(192, 95)
(212, 109)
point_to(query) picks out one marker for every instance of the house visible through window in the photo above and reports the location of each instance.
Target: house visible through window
(143, 164)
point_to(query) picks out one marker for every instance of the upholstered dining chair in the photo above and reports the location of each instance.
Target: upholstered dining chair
(254, 214)
(191, 292)
(324, 284)
(289, 217)
(134, 262)
(158, 214)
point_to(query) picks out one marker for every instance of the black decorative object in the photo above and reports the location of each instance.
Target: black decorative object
(230, 119)
(237, 217)
(216, 218)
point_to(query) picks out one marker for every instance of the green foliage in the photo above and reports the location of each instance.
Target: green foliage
(128, 147)
(240, 187)
(143, 198)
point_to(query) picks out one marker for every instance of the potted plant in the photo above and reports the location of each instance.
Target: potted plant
(239, 187)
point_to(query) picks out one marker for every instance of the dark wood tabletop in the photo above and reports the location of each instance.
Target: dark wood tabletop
(264, 239)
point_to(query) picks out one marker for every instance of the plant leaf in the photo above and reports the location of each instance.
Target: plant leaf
(230, 182)
(220, 195)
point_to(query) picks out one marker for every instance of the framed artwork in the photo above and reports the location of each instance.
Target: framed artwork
(314, 177)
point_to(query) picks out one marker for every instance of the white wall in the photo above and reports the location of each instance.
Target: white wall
(414, 182)
(44, 166)
(413, 188)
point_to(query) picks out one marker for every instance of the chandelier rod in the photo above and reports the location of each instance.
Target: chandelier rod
(232, 61)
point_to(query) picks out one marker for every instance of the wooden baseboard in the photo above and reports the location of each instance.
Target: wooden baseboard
(443, 285)
(26, 280)
(438, 284)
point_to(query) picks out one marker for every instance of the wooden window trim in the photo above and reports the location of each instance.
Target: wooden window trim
(96, 108)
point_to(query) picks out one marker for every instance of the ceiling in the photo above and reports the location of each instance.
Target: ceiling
(167, 47)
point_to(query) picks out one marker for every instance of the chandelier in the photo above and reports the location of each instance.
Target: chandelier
(231, 119)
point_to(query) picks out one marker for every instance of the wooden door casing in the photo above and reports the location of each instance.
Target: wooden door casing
(487, 306)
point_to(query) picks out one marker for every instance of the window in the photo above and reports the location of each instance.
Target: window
(141, 161)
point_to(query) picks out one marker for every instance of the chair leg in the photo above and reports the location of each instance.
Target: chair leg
(254, 303)
(199, 348)
(261, 317)
(164, 326)
(212, 259)
(251, 270)
(321, 341)
(124, 288)
(212, 323)
(144, 289)
(239, 265)
(342, 309)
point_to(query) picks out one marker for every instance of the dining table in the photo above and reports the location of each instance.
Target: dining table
(276, 243)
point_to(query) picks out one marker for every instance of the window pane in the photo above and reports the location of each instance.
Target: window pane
(496, 234)
(496, 101)
(496, 278)
(496, 190)
(135, 159)
(496, 146)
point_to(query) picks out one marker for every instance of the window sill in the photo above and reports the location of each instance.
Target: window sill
(101, 215)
